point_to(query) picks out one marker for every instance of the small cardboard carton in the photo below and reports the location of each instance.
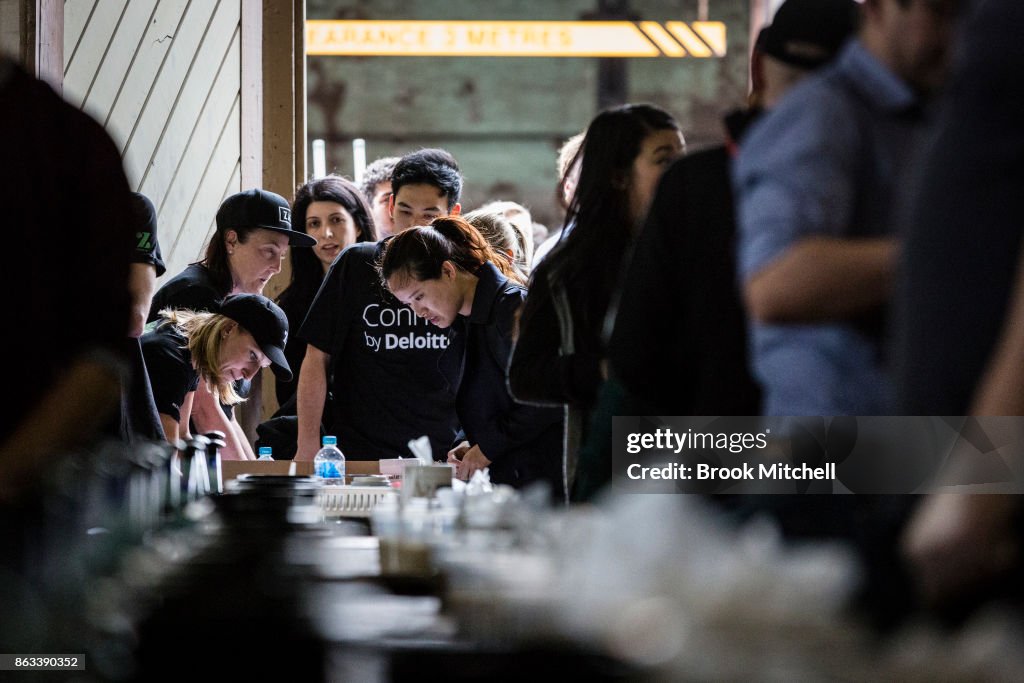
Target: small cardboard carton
(230, 469)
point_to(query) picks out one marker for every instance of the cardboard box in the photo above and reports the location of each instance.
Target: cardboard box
(230, 469)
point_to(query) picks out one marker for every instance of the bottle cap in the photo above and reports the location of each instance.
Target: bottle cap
(330, 441)
(266, 450)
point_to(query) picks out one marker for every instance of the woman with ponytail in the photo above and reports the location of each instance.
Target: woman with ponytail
(449, 275)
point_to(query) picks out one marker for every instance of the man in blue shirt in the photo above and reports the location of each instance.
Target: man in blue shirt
(815, 181)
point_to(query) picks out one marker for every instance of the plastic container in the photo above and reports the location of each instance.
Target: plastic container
(329, 463)
(266, 453)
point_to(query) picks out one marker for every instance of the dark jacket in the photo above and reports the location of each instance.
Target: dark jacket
(523, 443)
(679, 343)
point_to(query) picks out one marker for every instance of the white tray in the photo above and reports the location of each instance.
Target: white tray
(351, 501)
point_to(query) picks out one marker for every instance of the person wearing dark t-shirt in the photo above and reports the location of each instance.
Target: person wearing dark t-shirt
(447, 273)
(139, 417)
(66, 207)
(253, 235)
(331, 210)
(242, 334)
(959, 313)
(386, 386)
(252, 238)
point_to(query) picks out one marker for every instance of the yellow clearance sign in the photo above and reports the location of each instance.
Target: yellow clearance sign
(516, 38)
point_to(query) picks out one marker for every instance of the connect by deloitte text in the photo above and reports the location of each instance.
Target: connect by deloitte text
(415, 341)
(745, 471)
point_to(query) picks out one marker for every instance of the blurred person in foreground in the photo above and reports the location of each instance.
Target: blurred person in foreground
(959, 312)
(816, 180)
(679, 299)
(68, 283)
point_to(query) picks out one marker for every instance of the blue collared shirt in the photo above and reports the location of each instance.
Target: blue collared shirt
(825, 162)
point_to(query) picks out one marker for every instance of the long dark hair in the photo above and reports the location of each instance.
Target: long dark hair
(307, 270)
(420, 252)
(587, 262)
(216, 258)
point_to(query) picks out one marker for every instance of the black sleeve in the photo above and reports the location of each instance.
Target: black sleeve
(538, 371)
(644, 315)
(170, 372)
(156, 257)
(147, 244)
(522, 423)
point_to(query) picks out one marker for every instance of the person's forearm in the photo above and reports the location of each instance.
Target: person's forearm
(142, 285)
(309, 401)
(208, 416)
(170, 426)
(823, 278)
(1001, 389)
(245, 448)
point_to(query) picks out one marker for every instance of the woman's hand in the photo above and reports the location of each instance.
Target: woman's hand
(455, 454)
(473, 459)
(956, 542)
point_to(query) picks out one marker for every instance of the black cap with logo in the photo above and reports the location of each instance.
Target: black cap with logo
(267, 324)
(260, 209)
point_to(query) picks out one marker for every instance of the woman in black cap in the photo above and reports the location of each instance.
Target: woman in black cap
(242, 334)
(253, 234)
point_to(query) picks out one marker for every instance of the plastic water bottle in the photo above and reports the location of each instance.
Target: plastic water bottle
(329, 463)
(266, 453)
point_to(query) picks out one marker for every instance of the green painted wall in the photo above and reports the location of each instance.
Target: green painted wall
(504, 118)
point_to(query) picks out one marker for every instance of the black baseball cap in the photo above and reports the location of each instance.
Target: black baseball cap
(260, 209)
(267, 324)
(809, 33)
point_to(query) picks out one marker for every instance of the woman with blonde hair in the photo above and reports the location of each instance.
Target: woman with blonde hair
(242, 334)
(501, 234)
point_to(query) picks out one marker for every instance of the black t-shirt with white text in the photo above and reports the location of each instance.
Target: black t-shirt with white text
(387, 387)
